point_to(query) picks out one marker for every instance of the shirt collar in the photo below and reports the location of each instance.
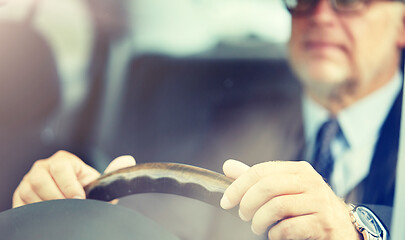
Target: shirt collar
(355, 121)
(314, 115)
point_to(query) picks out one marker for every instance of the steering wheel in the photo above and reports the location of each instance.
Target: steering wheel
(94, 220)
(172, 178)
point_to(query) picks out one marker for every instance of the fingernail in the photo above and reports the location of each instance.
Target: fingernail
(254, 231)
(225, 203)
(243, 217)
(78, 197)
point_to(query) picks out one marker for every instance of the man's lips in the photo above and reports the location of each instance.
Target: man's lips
(322, 45)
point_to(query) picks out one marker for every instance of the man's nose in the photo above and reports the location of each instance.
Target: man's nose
(323, 11)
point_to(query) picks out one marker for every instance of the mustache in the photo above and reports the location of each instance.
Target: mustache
(321, 36)
(324, 37)
(323, 33)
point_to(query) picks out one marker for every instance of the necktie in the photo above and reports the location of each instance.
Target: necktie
(323, 161)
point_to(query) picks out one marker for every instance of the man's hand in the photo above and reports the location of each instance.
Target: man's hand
(288, 199)
(61, 176)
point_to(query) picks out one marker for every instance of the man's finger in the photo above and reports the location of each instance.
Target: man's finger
(17, 201)
(283, 207)
(233, 195)
(27, 194)
(71, 174)
(120, 162)
(43, 184)
(87, 175)
(233, 168)
(301, 227)
(66, 179)
(268, 188)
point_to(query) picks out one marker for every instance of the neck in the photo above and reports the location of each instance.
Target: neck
(337, 98)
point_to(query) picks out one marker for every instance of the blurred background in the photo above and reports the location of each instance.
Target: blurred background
(150, 78)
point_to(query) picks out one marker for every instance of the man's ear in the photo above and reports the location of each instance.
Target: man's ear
(401, 37)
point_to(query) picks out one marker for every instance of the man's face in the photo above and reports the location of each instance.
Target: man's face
(328, 50)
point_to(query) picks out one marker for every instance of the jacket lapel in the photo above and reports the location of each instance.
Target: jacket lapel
(379, 186)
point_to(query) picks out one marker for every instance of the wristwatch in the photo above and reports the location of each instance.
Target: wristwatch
(367, 223)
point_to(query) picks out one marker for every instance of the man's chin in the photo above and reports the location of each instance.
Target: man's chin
(325, 75)
(323, 84)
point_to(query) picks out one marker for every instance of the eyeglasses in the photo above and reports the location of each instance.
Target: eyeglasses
(304, 7)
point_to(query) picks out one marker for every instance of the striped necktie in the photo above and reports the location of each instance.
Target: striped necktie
(323, 160)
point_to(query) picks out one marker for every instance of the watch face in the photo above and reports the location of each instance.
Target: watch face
(368, 221)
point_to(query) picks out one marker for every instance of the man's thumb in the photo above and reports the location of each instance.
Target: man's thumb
(120, 162)
(233, 168)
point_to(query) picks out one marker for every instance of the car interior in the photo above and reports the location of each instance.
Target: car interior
(151, 79)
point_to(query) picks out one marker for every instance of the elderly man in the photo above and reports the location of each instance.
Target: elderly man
(346, 54)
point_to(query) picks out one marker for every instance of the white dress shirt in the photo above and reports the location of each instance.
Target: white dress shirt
(360, 124)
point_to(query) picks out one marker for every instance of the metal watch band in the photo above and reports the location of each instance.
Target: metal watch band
(362, 228)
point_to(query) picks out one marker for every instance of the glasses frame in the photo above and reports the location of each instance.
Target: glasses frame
(334, 5)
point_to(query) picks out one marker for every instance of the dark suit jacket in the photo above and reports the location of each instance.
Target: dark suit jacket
(251, 138)
(379, 186)
(256, 135)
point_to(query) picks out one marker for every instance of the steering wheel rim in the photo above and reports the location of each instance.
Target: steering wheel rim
(170, 178)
